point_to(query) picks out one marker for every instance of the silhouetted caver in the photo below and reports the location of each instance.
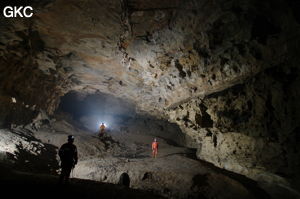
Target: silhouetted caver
(154, 148)
(68, 156)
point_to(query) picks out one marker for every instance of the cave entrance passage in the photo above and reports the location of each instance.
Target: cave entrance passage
(124, 180)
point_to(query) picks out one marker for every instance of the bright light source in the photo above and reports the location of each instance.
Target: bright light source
(105, 124)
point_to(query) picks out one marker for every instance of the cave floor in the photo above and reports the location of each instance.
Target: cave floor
(16, 184)
(175, 173)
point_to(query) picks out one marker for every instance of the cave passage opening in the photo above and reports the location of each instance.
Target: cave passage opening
(88, 111)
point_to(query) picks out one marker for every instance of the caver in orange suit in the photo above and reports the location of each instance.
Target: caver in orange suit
(154, 148)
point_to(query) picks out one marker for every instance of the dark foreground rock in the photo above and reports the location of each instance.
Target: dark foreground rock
(18, 185)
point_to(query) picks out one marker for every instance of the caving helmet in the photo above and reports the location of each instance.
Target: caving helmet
(70, 138)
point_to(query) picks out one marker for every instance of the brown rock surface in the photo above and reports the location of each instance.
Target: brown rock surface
(227, 72)
(154, 54)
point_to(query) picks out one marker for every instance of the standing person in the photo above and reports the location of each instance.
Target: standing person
(102, 129)
(69, 157)
(154, 148)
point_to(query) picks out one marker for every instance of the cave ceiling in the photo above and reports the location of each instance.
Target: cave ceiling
(157, 54)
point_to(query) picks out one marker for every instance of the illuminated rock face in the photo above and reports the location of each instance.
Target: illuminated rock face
(178, 60)
(251, 128)
(155, 54)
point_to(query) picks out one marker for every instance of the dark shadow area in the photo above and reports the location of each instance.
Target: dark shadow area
(35, 3)
(14, 113)
(199, 180)
(169, 141)
(295, 6)
(251, 185)
(108, 141)
(189, 154)
(20, 185)
(147, 176)
(124, 180)
(44, 161)
(263, 28)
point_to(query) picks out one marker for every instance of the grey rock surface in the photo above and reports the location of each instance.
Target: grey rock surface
(227, 72)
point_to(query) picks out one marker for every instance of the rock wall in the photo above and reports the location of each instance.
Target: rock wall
(251, 128)
(226, 71)
(156, 54)
(159, 128)
(27, 73)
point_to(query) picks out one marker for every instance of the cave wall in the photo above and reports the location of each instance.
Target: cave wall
(251, 125)
(156, 54)
(159, 128)
(251, 128)
(26, 73)
(222, 70)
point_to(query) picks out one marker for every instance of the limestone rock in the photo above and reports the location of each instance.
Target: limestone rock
(253, 131)
(227, 72)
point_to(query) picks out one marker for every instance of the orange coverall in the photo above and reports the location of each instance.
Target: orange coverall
(154, 149)
(102, 128)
